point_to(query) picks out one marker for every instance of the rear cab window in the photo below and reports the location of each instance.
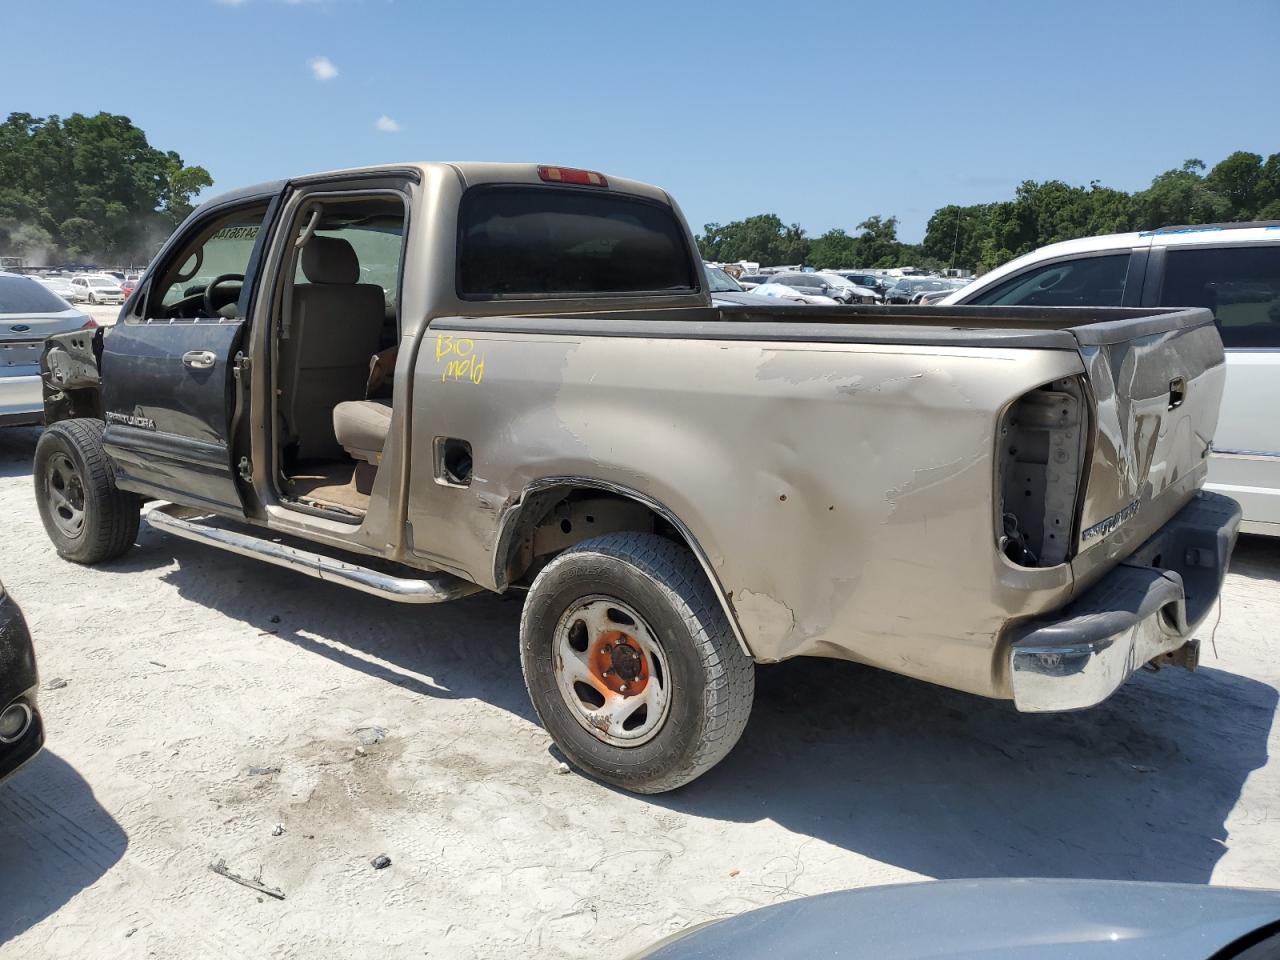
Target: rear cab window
(1240, 284)
(536, 242)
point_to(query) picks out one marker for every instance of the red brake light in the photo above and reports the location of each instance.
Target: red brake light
(585, 178)
(89, 324)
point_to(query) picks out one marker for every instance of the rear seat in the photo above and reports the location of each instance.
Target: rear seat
(361, 426)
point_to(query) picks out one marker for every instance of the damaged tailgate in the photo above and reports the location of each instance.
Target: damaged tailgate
(1156, 382)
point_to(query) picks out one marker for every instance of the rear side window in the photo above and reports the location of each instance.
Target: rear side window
(1241, 285)
(24, 295)
(530, 242)
(1088, 282)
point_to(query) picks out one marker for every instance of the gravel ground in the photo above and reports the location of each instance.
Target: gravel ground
(219, 709)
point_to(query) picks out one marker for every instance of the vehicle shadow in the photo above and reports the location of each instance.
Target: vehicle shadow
(934, 781)
(1257, 557)
(468, 647)
(55, 840)
(17, 449)
(953, 786)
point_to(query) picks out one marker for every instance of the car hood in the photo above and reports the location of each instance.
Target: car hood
(40, 325)
(989, 920)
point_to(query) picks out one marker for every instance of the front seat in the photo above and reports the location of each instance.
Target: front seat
(335, 327)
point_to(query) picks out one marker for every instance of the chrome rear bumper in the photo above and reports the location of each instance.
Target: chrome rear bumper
(1147, 607)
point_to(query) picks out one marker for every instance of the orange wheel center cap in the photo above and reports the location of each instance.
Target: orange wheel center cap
(620, 664)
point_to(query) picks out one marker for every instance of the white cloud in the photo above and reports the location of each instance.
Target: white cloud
(322, 68)
(386, 124)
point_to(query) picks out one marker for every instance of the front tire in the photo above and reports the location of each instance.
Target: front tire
(632, 665)
(86, 516)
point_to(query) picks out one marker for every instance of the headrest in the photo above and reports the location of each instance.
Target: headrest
(330, 260)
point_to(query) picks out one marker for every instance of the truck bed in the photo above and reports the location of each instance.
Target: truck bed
(1045, 328)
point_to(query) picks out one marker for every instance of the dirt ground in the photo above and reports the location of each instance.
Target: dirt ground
(202, 707)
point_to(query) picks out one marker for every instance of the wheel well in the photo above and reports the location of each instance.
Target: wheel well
(554, 519)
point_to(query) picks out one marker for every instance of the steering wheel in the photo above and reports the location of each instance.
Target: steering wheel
(209, 307)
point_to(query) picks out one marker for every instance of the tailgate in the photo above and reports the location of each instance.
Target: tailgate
(1156, 382)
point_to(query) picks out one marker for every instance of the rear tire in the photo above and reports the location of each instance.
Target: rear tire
(86, 516)
(632, 665)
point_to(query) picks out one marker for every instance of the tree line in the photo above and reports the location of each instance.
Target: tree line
(84, 188)
(979, 237)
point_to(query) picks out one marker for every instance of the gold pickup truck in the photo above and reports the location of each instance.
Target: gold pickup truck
(427, 380)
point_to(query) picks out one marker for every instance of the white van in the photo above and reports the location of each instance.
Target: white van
(1232, 268)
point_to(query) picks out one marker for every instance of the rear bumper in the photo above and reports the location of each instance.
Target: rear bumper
(21, 399)
(1146, 607)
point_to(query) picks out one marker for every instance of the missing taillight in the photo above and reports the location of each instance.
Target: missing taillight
(1040, 462)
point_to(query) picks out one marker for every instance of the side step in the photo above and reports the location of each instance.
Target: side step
(187, 522)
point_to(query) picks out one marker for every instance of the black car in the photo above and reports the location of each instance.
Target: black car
(21, 731)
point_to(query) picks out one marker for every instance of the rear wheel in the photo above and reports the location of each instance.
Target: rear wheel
(631, 663)
(86, 516)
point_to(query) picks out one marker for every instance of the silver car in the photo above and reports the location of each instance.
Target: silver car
(63, 287)
(28, 313)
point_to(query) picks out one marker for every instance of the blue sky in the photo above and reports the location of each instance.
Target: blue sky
(822, 112)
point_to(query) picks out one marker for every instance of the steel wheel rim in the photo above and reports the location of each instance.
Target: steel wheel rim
(65, 494)
(611, 671)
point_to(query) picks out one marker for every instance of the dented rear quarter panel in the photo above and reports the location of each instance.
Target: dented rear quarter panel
(840, 492)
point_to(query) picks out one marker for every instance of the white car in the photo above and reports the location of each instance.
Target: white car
(1232, 269)
(99, 288)
(783, 292)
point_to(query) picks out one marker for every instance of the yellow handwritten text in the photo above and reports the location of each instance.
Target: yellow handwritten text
(463, 363)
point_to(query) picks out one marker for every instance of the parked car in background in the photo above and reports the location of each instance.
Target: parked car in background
(727, 292)
(21, 729)
(910, 289)
(749, 280)
(99, 288)
(63, 287)
(826, 285)
(29, 312)
(872, 281)
(781, 291)
(1231, 268)
(127, 286)
(996, 920)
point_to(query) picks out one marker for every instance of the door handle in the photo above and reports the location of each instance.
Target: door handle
(199, 359)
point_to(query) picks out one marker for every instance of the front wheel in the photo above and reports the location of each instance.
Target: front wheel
(86, 516)
(631, 663)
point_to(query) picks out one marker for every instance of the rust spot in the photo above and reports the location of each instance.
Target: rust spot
(618, 664)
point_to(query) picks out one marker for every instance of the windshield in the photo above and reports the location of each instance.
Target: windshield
(23, 295)
(720, 282)
(101, 282)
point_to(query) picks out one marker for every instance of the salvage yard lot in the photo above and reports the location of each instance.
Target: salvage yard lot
(209, 699)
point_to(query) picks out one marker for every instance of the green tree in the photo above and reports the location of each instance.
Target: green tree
(835, 248)
(88, 187)
(1236, 179)
(878, 244)
(763, 239)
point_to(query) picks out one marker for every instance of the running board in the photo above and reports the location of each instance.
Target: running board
(186, 522)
